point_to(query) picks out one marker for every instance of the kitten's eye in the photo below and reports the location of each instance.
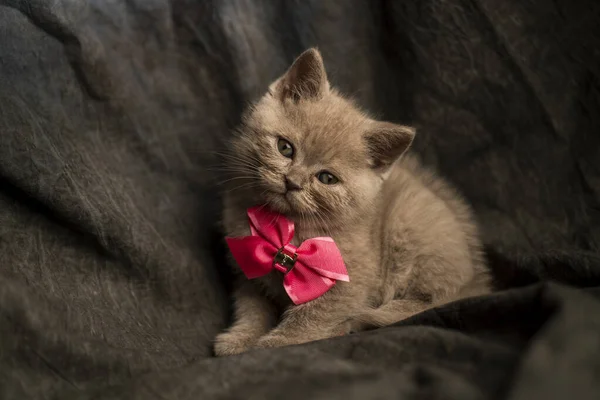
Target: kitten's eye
(327, 178)
(285, 148)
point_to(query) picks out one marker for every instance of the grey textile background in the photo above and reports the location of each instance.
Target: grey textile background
(112, 273)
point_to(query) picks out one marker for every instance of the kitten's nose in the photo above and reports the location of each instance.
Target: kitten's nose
(291, 184)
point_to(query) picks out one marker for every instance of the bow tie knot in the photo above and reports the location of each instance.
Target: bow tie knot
(310, 269)
(285, 258)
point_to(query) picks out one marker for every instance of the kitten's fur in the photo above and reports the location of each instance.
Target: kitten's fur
(408, 239)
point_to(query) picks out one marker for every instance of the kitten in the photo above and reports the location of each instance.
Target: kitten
(408, 240)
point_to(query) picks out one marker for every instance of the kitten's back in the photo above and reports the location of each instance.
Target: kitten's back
(427, 217)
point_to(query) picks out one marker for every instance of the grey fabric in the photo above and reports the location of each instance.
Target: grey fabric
(112, 274)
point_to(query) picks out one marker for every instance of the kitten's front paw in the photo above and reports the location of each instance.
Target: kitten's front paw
(280, 340)
(269, 341)
(232, 343)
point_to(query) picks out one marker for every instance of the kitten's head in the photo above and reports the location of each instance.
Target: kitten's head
(306, 152)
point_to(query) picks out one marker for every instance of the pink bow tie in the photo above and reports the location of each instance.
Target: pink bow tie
(310, 269)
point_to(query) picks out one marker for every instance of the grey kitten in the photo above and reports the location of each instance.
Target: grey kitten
(408, 239)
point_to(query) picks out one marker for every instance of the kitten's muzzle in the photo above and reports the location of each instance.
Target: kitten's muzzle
(291, 184)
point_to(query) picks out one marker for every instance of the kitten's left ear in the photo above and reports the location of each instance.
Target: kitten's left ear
(386, 142)
(305, 79)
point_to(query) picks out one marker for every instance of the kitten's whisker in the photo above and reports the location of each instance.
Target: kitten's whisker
(234, 167)
(326, 228)
(237, 165)
(243, 186)
(265, 204)
(239, 157)
(251, 183)
(238, 172)
(236, 178)
(314, 222)
(323, 225)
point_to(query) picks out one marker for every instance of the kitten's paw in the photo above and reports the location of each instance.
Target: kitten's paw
(270, 341)
(232, 343)
(279, 340)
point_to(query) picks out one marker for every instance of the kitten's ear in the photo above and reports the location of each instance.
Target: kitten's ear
(386, 142)
(305, 79)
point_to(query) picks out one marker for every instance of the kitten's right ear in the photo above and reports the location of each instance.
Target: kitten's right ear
(386, 142)
(305, 79)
